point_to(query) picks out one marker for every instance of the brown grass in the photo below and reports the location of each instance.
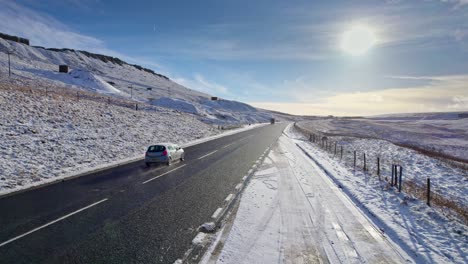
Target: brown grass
(448, 205)
(458, 162)
(66, 93)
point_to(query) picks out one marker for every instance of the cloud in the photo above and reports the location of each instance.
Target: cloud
(444, 93)
(314, 35)
(214, 48)
(200, 83)
(43, 30)
(461, 34)
(438, 80)
(456, 3)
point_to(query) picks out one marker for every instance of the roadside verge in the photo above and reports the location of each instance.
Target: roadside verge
(117, 163)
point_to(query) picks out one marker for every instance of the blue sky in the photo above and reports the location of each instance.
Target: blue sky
(281, 55)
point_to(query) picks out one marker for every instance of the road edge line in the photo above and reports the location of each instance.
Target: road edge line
(118, 163)
(52, 222)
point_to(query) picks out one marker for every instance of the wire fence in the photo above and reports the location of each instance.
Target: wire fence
(75, 94)
(390, 171)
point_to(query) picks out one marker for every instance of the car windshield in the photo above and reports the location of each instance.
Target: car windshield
(156, 148)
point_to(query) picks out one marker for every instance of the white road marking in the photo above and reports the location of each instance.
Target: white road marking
(237, 141)
(204, 156)
(53, 222)
(228, 145)
(228, 198)
(217, 213)
(154, 178)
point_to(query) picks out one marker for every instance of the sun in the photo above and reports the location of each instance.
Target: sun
(358, 40)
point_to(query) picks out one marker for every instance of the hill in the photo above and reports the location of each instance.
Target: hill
(39, 67)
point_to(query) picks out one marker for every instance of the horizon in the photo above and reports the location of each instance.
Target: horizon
(301, 60)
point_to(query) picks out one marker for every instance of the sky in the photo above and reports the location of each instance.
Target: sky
(280, 55)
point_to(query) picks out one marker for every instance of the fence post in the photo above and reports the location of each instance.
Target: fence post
(378, 166)
(393, 172)
(341, 155)
(310, 137)
(136, 106)
(354, 158)
(428, 191)
(396, 175)
(399, 180)
(335, 148)
(77, 96)
(365, 167)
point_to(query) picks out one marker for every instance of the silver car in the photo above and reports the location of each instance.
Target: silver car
(164, 153)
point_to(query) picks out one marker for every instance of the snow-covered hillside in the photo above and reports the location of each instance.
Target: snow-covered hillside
(427, 234)
(38, 67)
(45, 138)
(444, 133)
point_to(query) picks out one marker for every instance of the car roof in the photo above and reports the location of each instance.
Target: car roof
(164, 144)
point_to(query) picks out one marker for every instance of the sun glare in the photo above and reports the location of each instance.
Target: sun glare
(358, 40)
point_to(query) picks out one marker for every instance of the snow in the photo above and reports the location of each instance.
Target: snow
(49, 138)
(447, 180)
(176, 104)
(300, 208)
(200, 239)
(38, 68)
(423, 232)
(446, 133)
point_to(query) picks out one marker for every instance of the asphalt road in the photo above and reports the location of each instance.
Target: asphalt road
(129, 214)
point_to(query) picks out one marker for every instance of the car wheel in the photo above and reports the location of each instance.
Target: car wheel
(182, 158)
(147, 164)
(169, 162)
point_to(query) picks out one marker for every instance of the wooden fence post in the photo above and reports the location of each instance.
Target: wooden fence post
(77, 96)
(341, 155)
(136, 106)
(354, 158)
(396, 175)
(428, 195)
(335, 148)
(378, 166)
(365, 167)
(399, 180)
(393, 172)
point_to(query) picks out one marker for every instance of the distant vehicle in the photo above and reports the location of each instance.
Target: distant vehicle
(272, 121)
(164, 153)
